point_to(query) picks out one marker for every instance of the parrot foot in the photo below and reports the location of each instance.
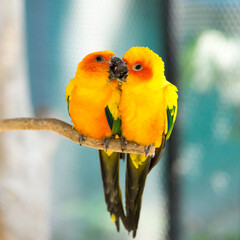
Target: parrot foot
(148, 149)
(106, 141)
(81, 139)
(124, 142)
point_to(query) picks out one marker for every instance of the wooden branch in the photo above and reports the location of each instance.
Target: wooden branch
(66, 130)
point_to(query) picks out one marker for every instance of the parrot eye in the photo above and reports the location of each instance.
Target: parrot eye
(99, 59)
(137, 67)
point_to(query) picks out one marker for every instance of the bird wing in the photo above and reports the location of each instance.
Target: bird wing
(171, 97)
(112, 114)
(114, 122)
(68, 92)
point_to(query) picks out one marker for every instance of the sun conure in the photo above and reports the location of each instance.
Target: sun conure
(148, 110)
(93, 96)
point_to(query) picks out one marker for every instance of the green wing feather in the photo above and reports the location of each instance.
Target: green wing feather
(116, 129)
(68, 98)
(171, 113)
(171, 116)
(68, 92)
(114, 123)
(172, 105)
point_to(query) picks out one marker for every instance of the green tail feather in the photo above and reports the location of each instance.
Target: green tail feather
(135, 182)
(110, 176)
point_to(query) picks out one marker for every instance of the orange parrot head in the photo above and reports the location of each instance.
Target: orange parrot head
(144, 66)
(102, 66)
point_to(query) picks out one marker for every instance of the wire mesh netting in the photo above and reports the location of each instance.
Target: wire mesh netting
(78, 209)
(54, 185)
(208, 35)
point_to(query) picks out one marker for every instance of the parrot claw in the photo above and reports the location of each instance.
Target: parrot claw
(148, 149)
(124, 142)
(106, 141)
(81, 139)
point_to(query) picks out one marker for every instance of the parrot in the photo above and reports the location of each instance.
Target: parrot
(93, 97)
(148, 110)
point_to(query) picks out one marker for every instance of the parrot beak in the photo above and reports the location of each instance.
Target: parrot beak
(117, 69)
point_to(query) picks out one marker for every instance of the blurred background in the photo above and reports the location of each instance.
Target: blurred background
(50, 188)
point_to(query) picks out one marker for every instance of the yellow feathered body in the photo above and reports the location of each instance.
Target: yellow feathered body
(143, 114)
(143, 103)
(88, 93)
(148, 109)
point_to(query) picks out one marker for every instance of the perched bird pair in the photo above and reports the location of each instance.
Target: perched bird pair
(131, 99)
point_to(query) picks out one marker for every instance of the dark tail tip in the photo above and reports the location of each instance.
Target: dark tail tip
(117, 225)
